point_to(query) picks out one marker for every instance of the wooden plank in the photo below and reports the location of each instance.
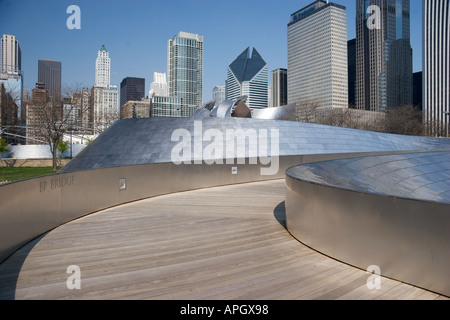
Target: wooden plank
(188, 245)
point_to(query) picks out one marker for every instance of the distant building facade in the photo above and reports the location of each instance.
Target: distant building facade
(40, 97)
(11, 55)
(351, 56)
(278, 88)
(185, 70)
(103, 68)
(104, 96)
(49, 73)
(417, 89)
(159, 85)
(317, 55)
(169, 107)
(105, 107)
(132, 89)
(436, 66)
(384, 54)
(218, 94)
(11, 69)
(135, 109)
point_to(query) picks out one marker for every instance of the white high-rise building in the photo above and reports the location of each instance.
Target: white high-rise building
(104, 96)
(11, 55)
(317, 55)
(159, 85)
(248, 76)
(103, 68)
(436, 66)
(218, 94)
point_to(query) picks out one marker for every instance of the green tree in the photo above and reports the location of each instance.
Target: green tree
(63, 147)
(4, 147)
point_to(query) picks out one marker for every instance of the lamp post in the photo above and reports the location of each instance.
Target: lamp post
(447, 114)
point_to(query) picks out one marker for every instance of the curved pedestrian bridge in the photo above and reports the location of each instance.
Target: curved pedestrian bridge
(216, 243)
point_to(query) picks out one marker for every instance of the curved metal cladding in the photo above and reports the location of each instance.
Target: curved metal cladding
(158, 140)
(419, 176)
(389, 211)
(276, 113)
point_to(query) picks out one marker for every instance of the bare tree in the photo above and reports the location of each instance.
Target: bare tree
(52, 119)
(9, 107)
(406, 120)
(306, 111)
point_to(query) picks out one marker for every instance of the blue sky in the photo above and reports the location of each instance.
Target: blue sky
(135, 32)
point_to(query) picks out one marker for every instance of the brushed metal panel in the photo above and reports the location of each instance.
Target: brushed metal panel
(408, 239)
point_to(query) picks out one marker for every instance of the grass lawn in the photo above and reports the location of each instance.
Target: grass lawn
(13, 174)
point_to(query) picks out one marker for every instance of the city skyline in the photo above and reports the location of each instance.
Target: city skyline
(138, 48)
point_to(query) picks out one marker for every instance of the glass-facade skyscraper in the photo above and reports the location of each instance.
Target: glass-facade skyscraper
(384, 54)
(49, 73)
(185, 69)
(436, 66)
(279, 87)
(131, 89)
(317, 55)
(248, 76)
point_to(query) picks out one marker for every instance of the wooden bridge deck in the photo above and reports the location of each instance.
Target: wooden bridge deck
(218, 243)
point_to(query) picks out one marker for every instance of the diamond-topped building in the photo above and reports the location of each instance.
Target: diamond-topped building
(247, 76)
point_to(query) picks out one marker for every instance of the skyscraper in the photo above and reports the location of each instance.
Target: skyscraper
(384, 54)
(218, 94)
(104, 96)
(351, 53)
(317, 55)
(436, 66)
(279, 87)
(247, 76)
(185, 69)
(131, 89)
(49, 73)
(159, 85)
(103, 68)
(11, 55)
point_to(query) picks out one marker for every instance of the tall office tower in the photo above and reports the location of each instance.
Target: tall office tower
(49, 73)
(103, 68)
(351, 56)
(417, 89)
(384, 54)
(11, 55)
(131, 89)
(185, 69)
(436, 66)
(218, 94)
(104, 96)
(317, 55)
(279, 88)
(159, 86)
(247, 76)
